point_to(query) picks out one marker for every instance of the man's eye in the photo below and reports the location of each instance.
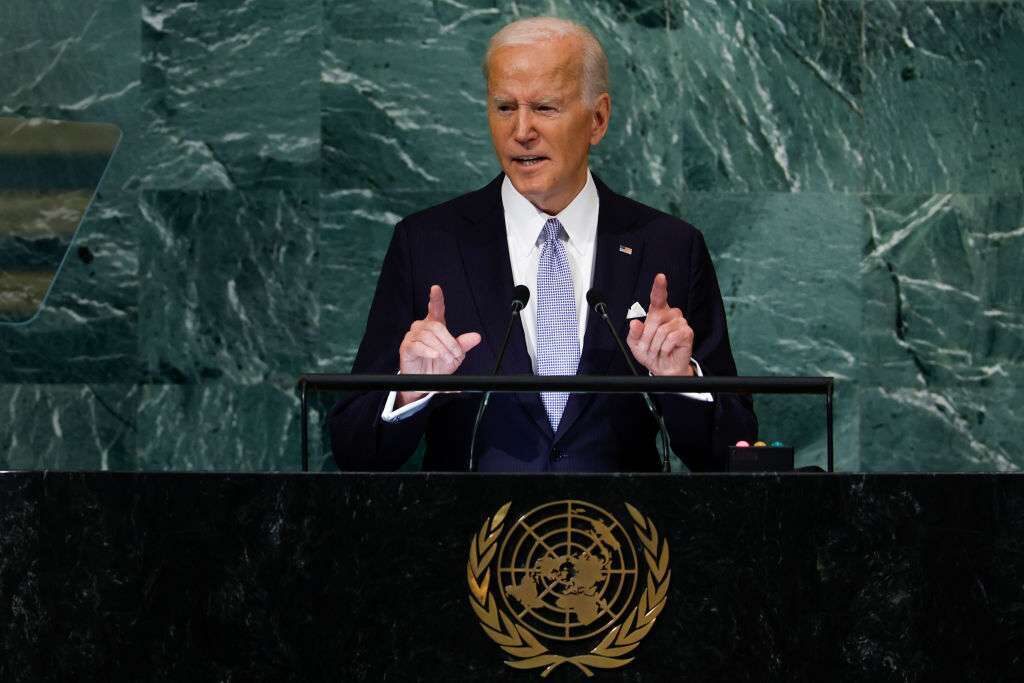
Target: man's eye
(505, 107)
(547, 109)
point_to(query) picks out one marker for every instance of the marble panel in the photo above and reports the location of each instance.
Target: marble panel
(944, 332)
(68, 426)
(787, 266)
(355, 229)
(944, 97)
(228, 285)
(403, 97)
(219, 426)
(643, 153)
(230, 93)
(771, 95)
(76, 57)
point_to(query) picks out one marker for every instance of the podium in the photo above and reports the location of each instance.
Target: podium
(352, 577)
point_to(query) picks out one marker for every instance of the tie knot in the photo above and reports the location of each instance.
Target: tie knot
(552, 230)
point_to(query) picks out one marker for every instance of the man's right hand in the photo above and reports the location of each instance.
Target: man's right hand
(429, 348)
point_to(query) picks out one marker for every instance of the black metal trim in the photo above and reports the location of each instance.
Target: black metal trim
(574, 383)
(303, 397)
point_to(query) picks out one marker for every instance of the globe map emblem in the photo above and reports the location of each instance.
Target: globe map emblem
(567, 570)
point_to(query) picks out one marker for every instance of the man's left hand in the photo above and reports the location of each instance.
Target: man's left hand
(664, 343)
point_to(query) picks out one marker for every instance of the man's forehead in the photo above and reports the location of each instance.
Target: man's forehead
(559, 54)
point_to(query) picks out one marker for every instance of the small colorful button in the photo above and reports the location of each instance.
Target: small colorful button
(742, 444)
(778, 444)
(759, 444)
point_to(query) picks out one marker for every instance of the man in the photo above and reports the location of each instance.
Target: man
(548, 223)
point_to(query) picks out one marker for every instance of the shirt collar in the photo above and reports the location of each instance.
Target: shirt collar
(524, 221)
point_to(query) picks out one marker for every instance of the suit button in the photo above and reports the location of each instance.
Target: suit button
(556, 454)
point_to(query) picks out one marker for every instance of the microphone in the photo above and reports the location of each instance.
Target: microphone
(520, 297)
(596, 300)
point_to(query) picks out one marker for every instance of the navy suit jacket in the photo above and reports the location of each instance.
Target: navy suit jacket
(461, 245)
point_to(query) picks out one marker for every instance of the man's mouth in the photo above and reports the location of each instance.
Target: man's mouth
(528, 160)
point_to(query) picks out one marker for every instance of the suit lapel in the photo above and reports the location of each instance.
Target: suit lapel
(615, 275)
(485, 257)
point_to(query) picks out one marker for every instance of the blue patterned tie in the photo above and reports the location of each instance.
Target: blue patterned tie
(558, 342)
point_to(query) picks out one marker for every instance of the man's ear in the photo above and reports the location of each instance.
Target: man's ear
(602, 112)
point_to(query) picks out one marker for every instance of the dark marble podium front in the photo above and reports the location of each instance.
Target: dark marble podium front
(245, 577)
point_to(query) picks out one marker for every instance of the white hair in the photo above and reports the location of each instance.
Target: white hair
(539, 29)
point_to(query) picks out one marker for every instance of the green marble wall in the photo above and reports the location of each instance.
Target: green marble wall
(857, 167)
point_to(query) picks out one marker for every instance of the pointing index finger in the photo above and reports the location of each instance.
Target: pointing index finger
(435, 307)
(659, 292)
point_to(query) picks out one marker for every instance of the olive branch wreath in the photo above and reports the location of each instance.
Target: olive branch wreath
(519, 642)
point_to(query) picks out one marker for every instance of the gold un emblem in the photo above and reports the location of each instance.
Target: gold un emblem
(560, 585)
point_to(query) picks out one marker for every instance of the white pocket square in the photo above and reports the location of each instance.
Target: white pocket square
(636, 311)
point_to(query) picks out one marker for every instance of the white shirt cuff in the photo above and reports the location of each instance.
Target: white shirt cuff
(389, 414)
(707, 398)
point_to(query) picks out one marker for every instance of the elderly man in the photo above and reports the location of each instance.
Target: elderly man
(442, 300)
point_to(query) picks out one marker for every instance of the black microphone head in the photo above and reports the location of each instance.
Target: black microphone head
(520, 297)
(595, 298)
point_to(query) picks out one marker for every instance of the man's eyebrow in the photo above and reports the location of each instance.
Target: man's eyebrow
(547, 101)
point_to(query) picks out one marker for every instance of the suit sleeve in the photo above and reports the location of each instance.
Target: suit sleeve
(702, 432)
(360, 440)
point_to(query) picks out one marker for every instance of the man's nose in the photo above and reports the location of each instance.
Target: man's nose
(524, 131)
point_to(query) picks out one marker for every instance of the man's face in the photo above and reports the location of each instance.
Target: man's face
(541, 127)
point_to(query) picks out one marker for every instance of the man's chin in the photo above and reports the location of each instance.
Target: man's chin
(533, 188)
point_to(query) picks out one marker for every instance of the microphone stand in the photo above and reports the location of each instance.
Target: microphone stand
(518, 303)
(602, 310)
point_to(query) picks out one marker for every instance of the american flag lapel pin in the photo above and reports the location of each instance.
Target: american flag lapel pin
(626, 250)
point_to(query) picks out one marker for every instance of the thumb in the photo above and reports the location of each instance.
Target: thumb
(435, 307)
(636, 329)
(468, 340)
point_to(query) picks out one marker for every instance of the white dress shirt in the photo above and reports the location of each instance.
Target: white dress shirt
(524, 225)
(524, 228)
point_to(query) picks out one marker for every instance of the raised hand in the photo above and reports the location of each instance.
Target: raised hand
(664, 343)
(428, 348)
